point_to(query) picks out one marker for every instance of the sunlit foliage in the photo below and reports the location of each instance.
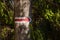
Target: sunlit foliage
(46, 19)
(6, 20)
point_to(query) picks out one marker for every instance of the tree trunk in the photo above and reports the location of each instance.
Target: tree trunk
(21, 10)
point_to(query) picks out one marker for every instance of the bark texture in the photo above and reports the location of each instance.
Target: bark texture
(21, 9)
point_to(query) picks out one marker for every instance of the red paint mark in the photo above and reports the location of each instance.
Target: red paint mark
(22, 19)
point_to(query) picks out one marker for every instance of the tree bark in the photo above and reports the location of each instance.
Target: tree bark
(21, 9)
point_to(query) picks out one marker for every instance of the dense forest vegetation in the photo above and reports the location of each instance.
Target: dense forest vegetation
(45, 24)
(6, 20)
